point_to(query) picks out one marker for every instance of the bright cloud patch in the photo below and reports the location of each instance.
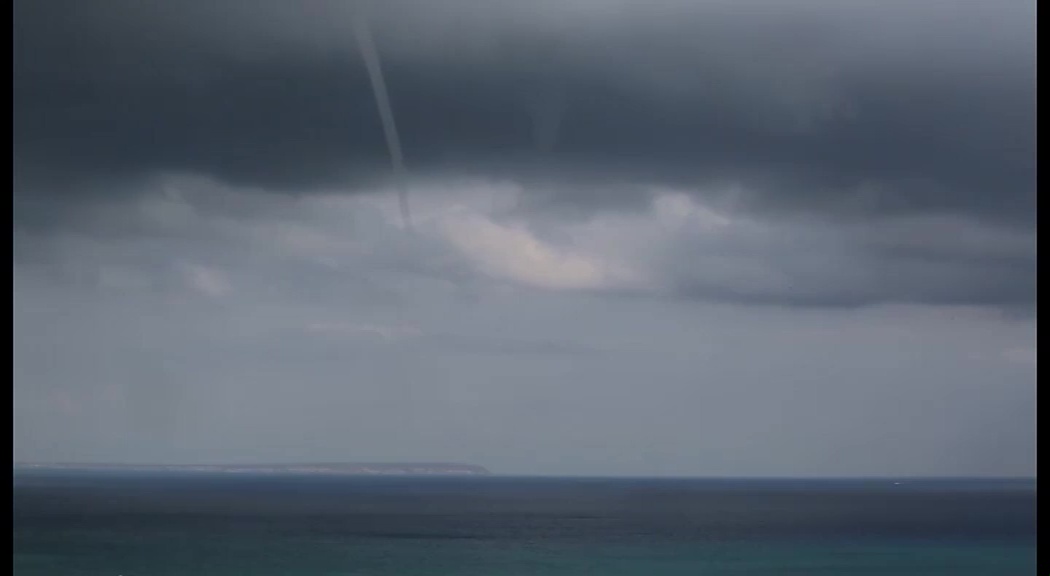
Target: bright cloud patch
(511, 252)
(207, 281)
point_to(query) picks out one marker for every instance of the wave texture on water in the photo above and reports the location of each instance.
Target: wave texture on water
(213, 524)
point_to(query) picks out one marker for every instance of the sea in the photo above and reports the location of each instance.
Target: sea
(165, 524)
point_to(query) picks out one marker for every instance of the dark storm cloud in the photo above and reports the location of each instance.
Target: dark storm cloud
(873, 108)
(843, 114)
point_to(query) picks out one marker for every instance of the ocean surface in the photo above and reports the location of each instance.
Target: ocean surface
(171, 524)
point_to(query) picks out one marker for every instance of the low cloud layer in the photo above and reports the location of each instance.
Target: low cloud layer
(676, 247)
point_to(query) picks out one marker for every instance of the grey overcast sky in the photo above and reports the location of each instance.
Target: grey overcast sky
(651, 237)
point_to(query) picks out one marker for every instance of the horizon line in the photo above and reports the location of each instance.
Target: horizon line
(581, 476)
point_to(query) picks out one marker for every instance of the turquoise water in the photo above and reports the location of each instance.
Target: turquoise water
(127, 555)
(166, 526)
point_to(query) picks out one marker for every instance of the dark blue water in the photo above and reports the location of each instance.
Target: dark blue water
(149, 524)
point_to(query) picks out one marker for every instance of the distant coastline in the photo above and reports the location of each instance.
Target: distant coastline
(345, 468)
